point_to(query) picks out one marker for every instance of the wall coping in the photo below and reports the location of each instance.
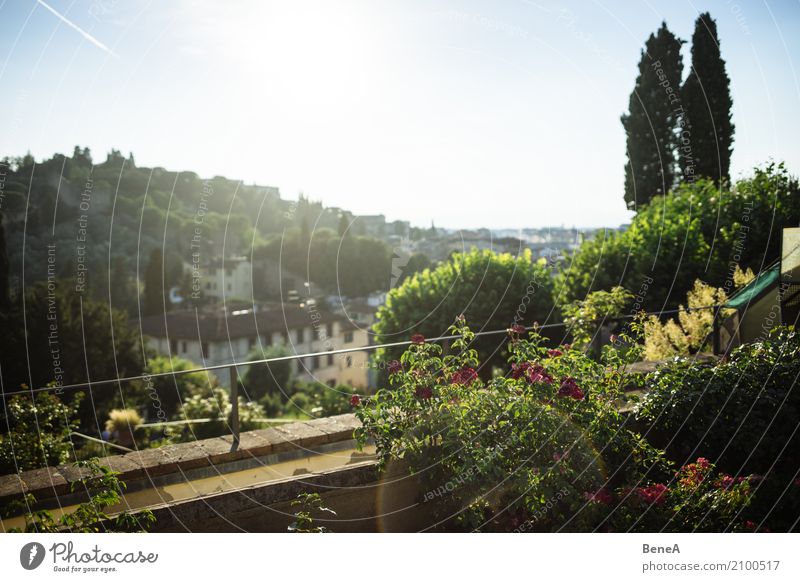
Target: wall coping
(302, 437)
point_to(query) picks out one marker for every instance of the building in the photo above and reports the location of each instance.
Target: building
(768, 301)
(228, 279)
(219, 337)
(264, 279)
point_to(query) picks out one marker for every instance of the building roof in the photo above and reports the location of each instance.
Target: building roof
(753, 291)
(188, 324)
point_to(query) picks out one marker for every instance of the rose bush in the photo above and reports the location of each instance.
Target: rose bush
(543, 448)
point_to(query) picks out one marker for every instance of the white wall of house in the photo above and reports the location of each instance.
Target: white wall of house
(233, 281)
(349, 369)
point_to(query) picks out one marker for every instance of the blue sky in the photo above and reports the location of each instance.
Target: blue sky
(499, 114)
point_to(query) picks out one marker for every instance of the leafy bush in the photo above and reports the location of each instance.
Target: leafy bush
(742, 414)
(699, 498)
(492, 290)
(217, 408)
(520, 452)
(689, 334)
(268, 378)
(584, 317)
(697, 231)
(320, 400)
(38, 434)
(122, 423)
(307, 505)
(104, 489)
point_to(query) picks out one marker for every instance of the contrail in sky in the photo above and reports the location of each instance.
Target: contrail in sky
(74, 26)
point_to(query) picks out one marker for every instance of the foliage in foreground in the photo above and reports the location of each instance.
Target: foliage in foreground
(103, 489)
(543, 449)
(742, 414)
(38, 432)
(308, 504)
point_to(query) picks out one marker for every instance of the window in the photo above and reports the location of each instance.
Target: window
(204, 349)
(173, 346)
(348, 337)
(299, 335)
(253, 342)
(330, 359)
(329, 330)
(349, 361)
(315, 363)
(230, 287)
(183, 347)
(331, 383)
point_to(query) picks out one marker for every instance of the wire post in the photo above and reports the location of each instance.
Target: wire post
(235, 407)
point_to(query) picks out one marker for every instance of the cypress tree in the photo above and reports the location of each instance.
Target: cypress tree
(155, 292)
(653, 112)
(5, 272)
(707, 135)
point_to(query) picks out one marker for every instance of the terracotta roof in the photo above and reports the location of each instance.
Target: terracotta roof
(187, 324)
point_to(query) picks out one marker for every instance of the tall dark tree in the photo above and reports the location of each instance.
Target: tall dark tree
(156, 299)
(5, 270)
(650, 124)
(707, 135)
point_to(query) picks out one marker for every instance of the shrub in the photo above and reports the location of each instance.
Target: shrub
(584, 317)
(696, 231)
(742, 414)
(122, 423)
(38, 434)
(689, 334)
(521, 449)
(104, 489)
(492, 290)
(699, 498)
(216, 408)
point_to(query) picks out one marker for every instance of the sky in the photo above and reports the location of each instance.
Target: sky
(501, 114)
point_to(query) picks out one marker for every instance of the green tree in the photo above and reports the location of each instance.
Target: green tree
(156, 294)
(161, 395)
(652, 118)
(706, 95)
(37, 432)
(266, 379)
(697, 232)
(69, 340)
(492, 290)
(5, 270)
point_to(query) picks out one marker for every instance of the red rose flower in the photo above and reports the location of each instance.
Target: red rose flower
(725, 482)
(654, 494)
(395, 366)
(355, 400)
(519, 370)
(554, 353)
(538, 374)
(464, 376)
(751, 525)
(599, 496)
(570, 388)
(423, 392)
(418, 339)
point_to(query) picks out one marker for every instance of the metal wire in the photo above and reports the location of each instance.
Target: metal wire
(368, 348)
